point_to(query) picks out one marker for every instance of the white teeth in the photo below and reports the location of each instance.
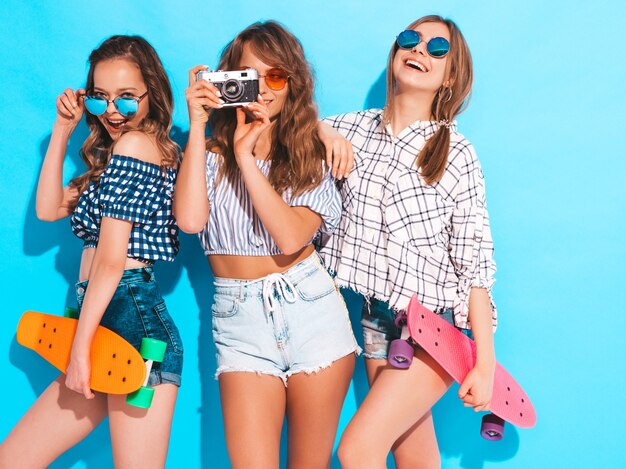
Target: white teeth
(415, 64)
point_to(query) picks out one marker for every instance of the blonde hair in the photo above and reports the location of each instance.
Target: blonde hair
(448, 103)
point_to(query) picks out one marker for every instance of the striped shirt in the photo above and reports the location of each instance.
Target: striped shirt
(137, 191)
(399, 236)
(235, 228)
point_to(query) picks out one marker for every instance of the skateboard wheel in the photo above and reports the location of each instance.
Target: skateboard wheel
(142, 397)
(400, 354)
(71, 313)
(152, 349)
(400, 320)
(492, 427)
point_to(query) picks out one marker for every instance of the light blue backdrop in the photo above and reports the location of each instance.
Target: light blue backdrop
(546, 119)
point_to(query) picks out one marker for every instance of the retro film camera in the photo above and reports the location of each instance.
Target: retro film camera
(238, 87)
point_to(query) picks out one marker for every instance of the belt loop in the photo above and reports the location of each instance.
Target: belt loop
(147, 275)
(242, 289)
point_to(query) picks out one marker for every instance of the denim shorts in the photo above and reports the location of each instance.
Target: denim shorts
(281, 324)
(379, 329)
(137, 310)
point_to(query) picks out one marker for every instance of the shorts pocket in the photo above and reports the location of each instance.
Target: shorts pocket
(316, 286)
(224, 306)
(172, 331)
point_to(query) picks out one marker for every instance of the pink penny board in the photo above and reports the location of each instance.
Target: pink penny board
(456, 353)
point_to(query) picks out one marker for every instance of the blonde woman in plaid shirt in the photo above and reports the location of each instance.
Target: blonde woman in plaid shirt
(414, 221)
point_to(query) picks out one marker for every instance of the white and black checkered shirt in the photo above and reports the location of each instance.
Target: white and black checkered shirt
(137, 191)
(399, 236)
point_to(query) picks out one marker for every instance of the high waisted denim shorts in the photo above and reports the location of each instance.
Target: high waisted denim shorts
(281, 324)
(137, 310)
(379, 328)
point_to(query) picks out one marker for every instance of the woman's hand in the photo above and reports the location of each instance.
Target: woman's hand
(477, 388)
(339, 152)
(78, 374)
(247, 134)
(201, 97)
(70, 107)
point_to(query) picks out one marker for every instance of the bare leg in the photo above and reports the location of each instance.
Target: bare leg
(58, 420)
(396, 413)
(314, 404)
(140, 437)
(253, 407)
(408, 450)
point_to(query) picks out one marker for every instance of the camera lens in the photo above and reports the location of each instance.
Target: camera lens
(232, 90)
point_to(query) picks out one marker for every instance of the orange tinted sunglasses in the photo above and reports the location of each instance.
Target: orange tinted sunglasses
(275, 78)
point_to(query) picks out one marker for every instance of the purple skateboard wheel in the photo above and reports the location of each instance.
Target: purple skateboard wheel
(400, 320)
(400, 354)
(492, 427)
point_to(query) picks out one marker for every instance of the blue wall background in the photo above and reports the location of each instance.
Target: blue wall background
(547, 122)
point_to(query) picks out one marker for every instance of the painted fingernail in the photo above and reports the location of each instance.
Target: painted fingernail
(219, 95)
(221, 101)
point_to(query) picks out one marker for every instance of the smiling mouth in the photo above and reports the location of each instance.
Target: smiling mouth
(116, 124)
(414, 64)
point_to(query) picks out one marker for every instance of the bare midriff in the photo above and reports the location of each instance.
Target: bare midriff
(87, 259)
(254, 267)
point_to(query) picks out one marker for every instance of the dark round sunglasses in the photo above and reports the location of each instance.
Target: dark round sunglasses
(125, 105)
(437, 47)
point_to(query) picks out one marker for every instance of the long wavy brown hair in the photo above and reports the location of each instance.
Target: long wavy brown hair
(297, 152)
(96, 150)
(450, 100)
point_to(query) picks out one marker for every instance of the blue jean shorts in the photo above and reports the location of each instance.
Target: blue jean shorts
(281, 324)
(137, 310)
(379, 329)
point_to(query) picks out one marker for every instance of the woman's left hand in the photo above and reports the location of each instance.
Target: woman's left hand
(339, 152)
(78, 374)
(477, 388)
(247, 134)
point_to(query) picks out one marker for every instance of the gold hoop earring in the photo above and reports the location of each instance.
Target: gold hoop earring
(449, 97)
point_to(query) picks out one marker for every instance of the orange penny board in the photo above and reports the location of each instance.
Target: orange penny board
(116, 366)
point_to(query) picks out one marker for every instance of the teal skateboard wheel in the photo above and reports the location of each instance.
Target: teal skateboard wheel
(142, 397)
(152, 349)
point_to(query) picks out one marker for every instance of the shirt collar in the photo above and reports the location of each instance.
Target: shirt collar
(425, 128)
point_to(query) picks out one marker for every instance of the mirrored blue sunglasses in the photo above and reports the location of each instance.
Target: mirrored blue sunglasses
(125, 105)
(437, 47)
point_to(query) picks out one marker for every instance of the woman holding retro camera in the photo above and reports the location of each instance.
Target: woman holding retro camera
(121, 208)
(258, 192)
(415, 221)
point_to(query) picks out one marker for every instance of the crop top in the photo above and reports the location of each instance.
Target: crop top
(235, 228)
(137, 191)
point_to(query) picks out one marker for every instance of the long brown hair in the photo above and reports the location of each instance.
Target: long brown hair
(96, 149)
(450, 100)
(297, 152)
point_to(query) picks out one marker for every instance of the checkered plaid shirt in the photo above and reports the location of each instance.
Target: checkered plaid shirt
(399, 236)
(137, 191)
